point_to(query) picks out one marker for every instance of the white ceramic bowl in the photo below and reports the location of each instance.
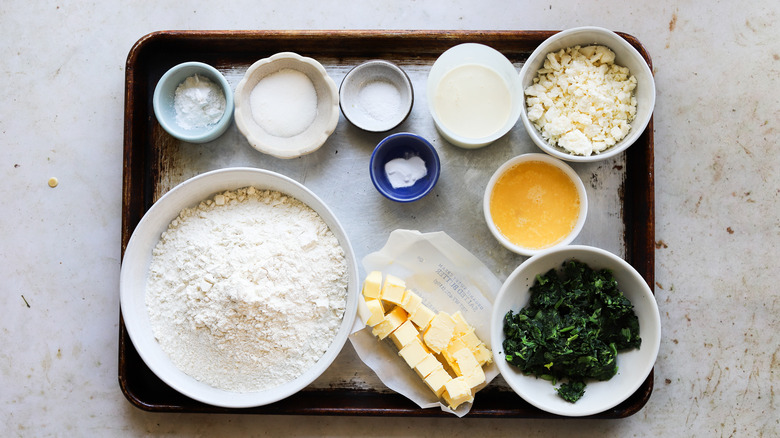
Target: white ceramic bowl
(625, 55)
(265, 136)
(503, 240)
(376, 96)
(479, 54)
(633, 365)
(138, 255)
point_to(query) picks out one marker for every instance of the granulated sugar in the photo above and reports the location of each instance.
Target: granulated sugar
(247, 290)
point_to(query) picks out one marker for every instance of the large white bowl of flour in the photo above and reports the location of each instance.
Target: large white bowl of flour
(216, 316)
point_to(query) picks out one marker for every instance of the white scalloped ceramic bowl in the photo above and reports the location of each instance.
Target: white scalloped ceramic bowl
(633, 366)
(625, 55)
(135, 267)
(265, 136)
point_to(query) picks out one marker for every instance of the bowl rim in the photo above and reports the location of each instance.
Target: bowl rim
(243, 109)
(386, 66)
(171, 127)
(514, 377)
(505, 64)
(144, 238)
(563, 166)
(389, 194)
(637, 126)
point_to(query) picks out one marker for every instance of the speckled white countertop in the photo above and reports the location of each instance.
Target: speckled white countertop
(717, 214)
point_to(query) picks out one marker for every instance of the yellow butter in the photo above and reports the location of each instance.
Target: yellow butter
(470, 339)
(393, 289)
(475, 378)
(436, 381)
(376, 312)
(404, 334)
(428, 365)
(461, 326)
(372, 285)
(411, 301)
(466, 362)
(413, 353)
(439, 332)
(483, 354)
(456, 392)
(454, 345)
(422, 316)
(391, 321)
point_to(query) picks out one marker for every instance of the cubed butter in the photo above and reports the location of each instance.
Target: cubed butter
(422, 316)
(413, 353)
(428, 365)
(404, 334)
(456, 392)
(372, 285)
(411, 301)
(376, 310)
(470, 339)
(461, 326)
(454, 345)
(483, 355)
(466, 362)
(475, 378)
(391, 321)
(436, 381)
(439, 332)
(393, 289)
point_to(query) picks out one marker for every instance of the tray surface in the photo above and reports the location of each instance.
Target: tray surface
(620, 191)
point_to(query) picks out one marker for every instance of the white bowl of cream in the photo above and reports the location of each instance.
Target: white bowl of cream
(474, 95)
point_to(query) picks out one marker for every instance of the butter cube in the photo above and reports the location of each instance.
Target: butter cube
(466, 362)
(461, 326)
(470, 339)
(475, 378)
(372, 285)
(422, 316)
(391, 321)
(404, 334)
(483, 355)
(456, 392)
(377, 312)
(439, 332)
(428, 365)
(411, 301)
(413, 353)
(436, 381)
(393, 289)
(454, 345)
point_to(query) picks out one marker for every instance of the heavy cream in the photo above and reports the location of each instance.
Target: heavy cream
(472, 101)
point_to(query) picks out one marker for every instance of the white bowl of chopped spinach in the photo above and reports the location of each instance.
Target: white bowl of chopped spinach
(575, 330)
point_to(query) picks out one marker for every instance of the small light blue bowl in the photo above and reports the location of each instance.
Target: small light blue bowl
(404, 145)
(164, 97)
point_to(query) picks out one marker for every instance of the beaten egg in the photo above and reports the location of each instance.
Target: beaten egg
(535, 204)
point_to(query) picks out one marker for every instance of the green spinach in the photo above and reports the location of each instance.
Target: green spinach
(572, 329)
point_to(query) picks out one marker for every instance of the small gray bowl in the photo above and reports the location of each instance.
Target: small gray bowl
(376, 96)
(163, 102)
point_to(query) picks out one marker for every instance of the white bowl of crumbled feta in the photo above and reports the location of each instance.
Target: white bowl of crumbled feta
(238, 287)
(589, 94)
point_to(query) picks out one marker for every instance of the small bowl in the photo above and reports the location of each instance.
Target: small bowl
(405, 146)
(634, 365)
(481, 55)
(285, 135)
(376, 96)
(165, 111)
(565, 168)
(138, 256)
(625, 55)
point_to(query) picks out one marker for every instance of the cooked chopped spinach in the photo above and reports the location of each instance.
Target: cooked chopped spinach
(572, 329)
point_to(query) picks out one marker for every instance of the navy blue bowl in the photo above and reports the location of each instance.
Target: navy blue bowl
(404, 145)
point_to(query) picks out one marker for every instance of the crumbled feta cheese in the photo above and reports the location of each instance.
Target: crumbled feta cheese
(581, 100)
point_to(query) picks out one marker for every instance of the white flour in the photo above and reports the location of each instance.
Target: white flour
(247, 290)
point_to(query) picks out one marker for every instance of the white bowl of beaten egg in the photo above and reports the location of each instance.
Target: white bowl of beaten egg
(215, 324)
(535, 202)
(474, 95)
